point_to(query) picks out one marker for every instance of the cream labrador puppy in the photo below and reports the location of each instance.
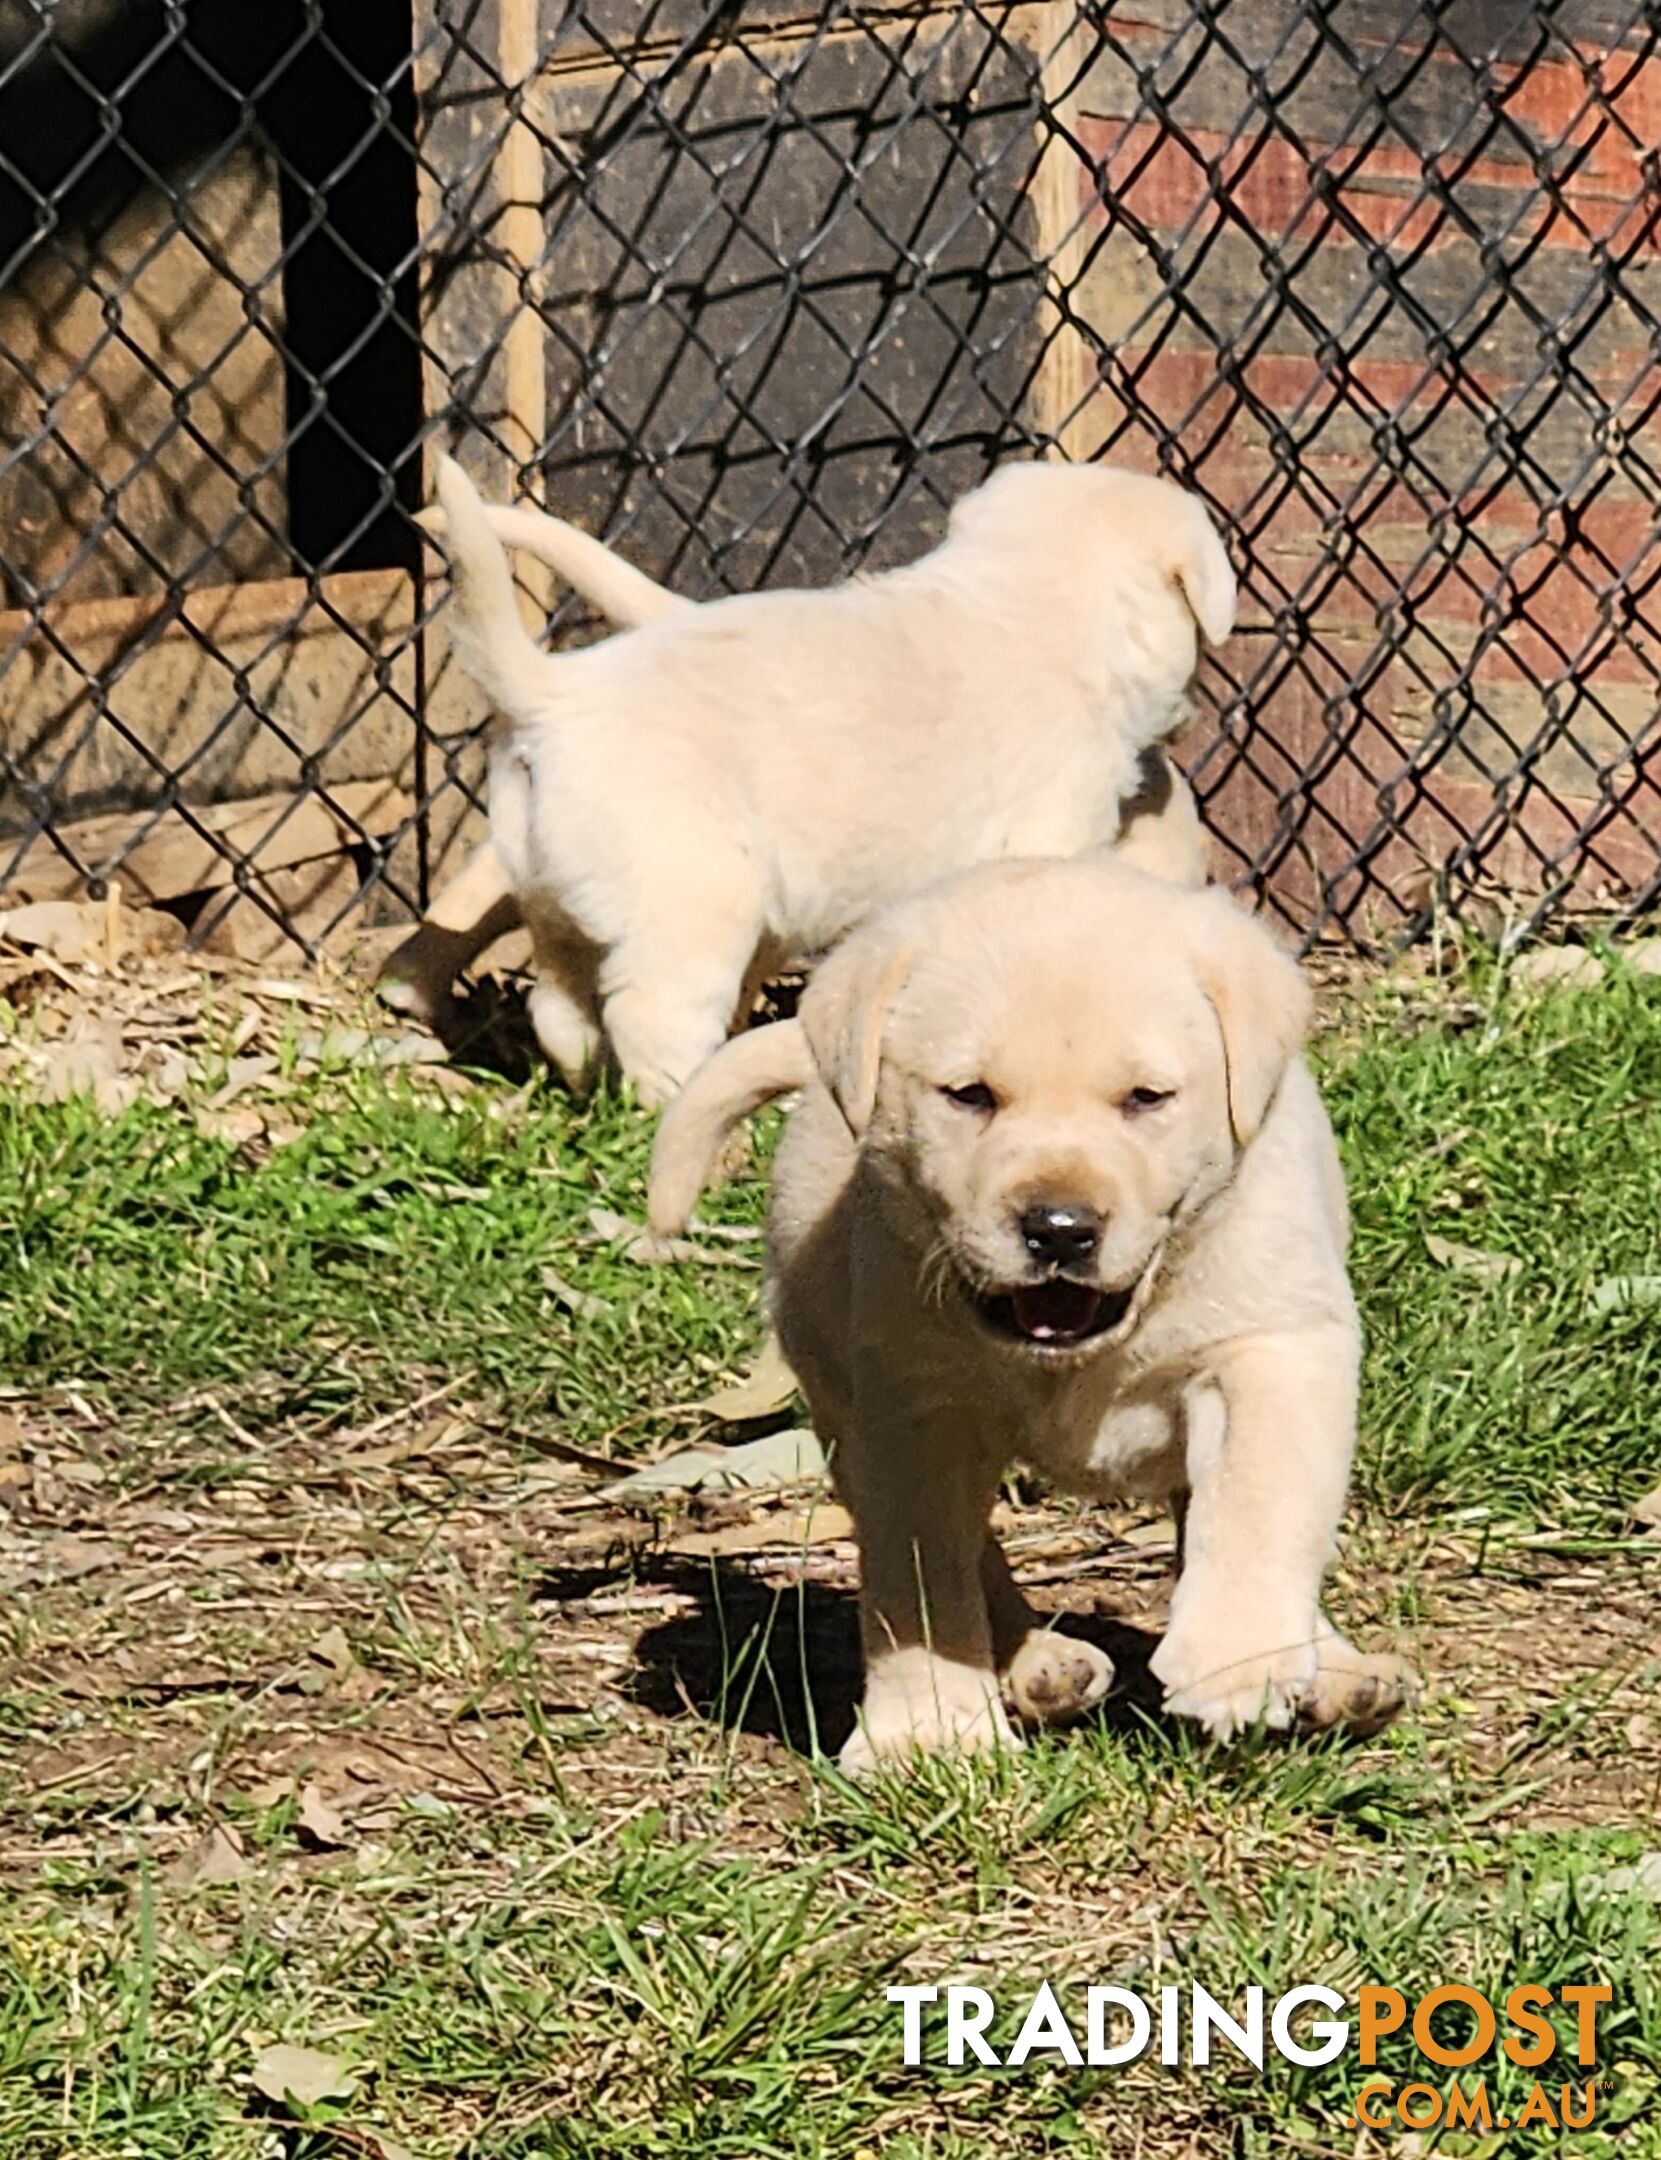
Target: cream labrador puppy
(1159, 824)
(681, 810)
(1060, 1189)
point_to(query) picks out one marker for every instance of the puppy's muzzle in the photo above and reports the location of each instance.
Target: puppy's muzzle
(1065, 1309)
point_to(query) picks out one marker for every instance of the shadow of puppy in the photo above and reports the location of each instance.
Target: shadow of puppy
(781, 1661)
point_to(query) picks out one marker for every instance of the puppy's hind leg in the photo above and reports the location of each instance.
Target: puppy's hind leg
(563, 1010)
(470, 913)
(670, 992)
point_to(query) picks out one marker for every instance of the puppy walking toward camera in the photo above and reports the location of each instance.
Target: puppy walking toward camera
(733, 785)
(1060, 1189)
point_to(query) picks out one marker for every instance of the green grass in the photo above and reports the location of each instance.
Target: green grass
(1535, 1134)
(397, 1238)
(646, 1935)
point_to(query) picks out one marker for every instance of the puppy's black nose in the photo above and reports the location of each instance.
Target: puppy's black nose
(1061, 1236)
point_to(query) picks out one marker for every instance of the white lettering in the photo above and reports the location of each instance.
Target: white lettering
(1045, 2027)
(1101, 2056)
(1209, 2016)
(912, 2000)
(965, 2030)
(1333, 2036)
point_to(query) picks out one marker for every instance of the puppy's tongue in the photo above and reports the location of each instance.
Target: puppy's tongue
(1055, 1311)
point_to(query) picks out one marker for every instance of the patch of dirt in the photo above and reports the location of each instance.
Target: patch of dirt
(409, 1616)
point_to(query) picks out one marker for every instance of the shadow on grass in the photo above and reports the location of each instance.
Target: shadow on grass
(782, 1661)
(486, 1027)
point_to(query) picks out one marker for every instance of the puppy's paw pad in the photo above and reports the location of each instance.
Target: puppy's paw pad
(1054, 1679)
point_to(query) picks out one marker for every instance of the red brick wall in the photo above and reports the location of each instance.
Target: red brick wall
(1396, 308)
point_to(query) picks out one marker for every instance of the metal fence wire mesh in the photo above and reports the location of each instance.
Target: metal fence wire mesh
(756, 291)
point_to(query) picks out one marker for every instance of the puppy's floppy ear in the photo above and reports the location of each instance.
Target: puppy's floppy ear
(1204, 573)
(1261, 999)
(845, 1008)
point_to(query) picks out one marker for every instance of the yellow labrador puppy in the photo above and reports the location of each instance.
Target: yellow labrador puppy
(681, 810)
(1060, 1189)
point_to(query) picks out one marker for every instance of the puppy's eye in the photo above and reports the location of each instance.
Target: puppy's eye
(1146, 1098)
(975, 1096)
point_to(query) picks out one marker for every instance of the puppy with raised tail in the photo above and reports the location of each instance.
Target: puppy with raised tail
(681, 810)
(477, 905)
(1060, 1189)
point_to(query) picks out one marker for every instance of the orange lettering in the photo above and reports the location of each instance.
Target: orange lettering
(1481, 2040)
(1472, 2112)
(1382, 2010)
(1523, 2006)
(1586, 2003)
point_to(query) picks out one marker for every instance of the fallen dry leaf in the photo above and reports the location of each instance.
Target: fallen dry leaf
(61, 1560)
(67, 929)
(765, 1388)
(1648, 1510)
(332, 1649)
(1468, 1260)
(826, 1524)
(638, 1244)
(282, 990)
(792, 1532)
(217, 1858)
(1642, 1879)
(582, 1303)
(782, 1458)
(1571, 965)
(1620, 1293)
(240, 1075)
(288, 2074)
(318, 1821)
(235, 1127)
(86, 1060)
(270, 1792)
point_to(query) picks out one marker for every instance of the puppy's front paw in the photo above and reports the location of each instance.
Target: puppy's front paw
(1359, 1691)
(1055, 1679)
(1227, 1693)
(918, 1704)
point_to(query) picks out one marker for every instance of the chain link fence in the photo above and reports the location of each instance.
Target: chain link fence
(756, 291)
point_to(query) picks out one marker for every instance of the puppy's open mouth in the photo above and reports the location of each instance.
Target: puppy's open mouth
(1056, 1315)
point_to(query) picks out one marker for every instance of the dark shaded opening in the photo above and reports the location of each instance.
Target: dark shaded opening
(344, 120)
(117, 100)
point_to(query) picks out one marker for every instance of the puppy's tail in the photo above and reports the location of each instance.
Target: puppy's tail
(491, 641)
(744, 1073)
(614, 588)
(1202, 570)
